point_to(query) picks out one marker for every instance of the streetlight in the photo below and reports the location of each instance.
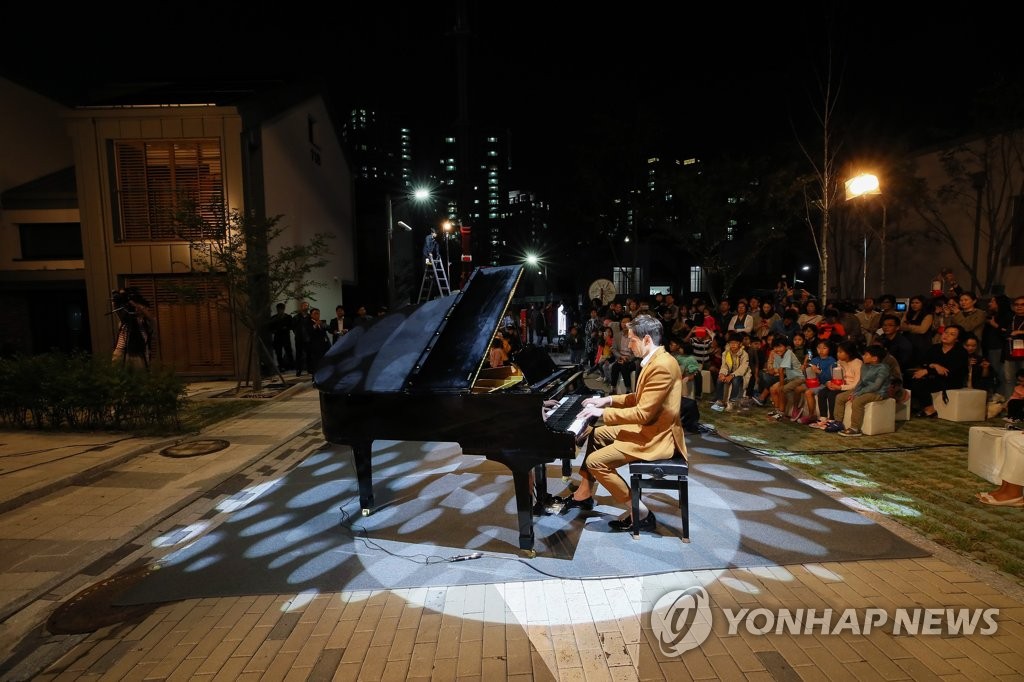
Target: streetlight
(800, 281)
(863, 185)
(419, 194)
(447, 226)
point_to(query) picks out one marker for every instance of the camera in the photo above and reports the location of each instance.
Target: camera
(127, 298)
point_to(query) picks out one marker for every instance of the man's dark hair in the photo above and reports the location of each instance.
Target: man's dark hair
(877, 350)
(780, 341)
(645, 325)
(280, 307)
(894, 318)
(790, 314)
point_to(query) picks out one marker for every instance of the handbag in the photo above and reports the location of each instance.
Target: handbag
(1016, 347)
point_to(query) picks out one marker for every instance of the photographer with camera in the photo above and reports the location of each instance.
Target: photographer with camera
(134, 340)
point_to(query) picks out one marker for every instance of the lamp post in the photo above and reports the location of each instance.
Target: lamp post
(417, 195)
(447, 228)
(863, 185)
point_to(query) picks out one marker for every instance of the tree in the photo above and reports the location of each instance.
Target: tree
(821, 189)
(725, 214)
(238, 248)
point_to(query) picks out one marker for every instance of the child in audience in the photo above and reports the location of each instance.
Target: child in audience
(820, 370)
(689, 365)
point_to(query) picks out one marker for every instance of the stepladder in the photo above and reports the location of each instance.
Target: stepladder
(434, 277)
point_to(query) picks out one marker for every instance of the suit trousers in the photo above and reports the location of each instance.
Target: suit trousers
(603, 460)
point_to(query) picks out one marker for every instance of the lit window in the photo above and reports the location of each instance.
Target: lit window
(492, 153)
(696, 278)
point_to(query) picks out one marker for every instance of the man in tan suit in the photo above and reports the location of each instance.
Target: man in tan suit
(643, 425)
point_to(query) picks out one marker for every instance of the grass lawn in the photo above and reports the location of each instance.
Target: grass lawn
(917, 476)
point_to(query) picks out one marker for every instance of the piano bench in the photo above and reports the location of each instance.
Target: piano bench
(663, 474)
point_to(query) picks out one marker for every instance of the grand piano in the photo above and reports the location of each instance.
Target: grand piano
(419, 374)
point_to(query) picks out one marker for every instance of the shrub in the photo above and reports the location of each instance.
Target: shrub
(54, 391)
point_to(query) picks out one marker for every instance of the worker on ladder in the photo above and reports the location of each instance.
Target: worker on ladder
(433, 269)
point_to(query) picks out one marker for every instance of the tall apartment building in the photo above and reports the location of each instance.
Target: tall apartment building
(381, 147)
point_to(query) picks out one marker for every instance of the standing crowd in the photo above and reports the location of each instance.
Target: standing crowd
(312, 335)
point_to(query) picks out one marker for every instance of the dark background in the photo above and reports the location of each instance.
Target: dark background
(564, 79)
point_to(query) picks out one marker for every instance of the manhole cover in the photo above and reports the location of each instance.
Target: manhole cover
(93, 608)
(194, 448)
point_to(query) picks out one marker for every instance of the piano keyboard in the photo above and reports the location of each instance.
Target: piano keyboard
(563, 416)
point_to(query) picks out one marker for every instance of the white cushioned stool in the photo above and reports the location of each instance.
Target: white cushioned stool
(879, 417)
(903, 409)
(707, 386)
(965, 405)
(985, 452)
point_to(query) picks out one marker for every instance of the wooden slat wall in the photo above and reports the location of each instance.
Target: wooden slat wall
(152, 174)
(197, 339)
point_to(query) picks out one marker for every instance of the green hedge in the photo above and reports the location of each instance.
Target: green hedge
(54, 391)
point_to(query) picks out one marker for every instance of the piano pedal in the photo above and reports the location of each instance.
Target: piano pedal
(366, 512)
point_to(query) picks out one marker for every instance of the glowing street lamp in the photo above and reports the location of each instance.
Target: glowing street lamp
(418, 195)
(861, 185)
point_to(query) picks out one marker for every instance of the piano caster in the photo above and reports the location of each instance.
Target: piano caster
(366, 512)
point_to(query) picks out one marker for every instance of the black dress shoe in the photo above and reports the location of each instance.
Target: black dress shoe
(572, 503)
(646, 523)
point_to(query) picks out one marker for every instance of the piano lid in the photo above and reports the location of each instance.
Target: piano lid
(436, 347)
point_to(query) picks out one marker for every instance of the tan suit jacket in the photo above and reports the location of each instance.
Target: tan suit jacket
(647, 420)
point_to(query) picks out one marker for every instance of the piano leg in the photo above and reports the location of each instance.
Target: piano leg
(361, 453)
(524, 509)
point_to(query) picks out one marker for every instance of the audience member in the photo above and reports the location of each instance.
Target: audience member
(873, 386)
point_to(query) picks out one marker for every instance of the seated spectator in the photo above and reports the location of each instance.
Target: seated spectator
(970, 318)
(787, 325)
(819, 372)
(917, 328)
(944, 369)
(870, 319)
(850, 322)
(753, 346)
(849, 365)
(887, 306)
(734, 371)
(810, 334)
(789, 372)
(742, 321)
(1015, 405)
(896, 343)
(689, 366)
(939, 318)
(830, 329)
(979, 370)
(497, 357)
(765, 319)
(809, 314)
(1010, 492)
(873, 386)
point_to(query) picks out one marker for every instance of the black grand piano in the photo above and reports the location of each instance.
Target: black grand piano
(419, 374)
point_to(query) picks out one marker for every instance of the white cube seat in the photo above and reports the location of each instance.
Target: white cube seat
(965, 405)
(985, 452)
(879, 417)
(903, 409)
(707, 385)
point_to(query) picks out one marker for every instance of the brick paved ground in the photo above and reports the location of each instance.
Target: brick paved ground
(59, 542)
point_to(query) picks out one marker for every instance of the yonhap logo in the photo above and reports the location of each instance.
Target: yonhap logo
(681, 620)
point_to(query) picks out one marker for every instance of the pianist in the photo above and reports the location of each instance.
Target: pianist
(643, 425)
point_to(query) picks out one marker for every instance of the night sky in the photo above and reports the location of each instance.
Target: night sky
(638, 79)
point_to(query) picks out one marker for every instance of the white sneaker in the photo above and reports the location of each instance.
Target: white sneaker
(717, 406)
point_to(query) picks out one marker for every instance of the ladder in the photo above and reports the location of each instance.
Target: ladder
(433, 273)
